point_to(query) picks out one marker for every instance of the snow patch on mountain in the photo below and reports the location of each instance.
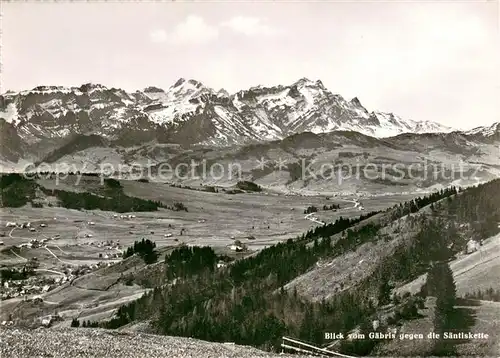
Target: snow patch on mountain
(10, 114)
(486, 131)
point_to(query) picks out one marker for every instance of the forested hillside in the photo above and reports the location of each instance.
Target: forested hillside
(18, 190)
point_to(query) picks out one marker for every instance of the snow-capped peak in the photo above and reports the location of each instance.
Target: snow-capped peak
(307, 82)
(222, 93)
(355, 102)
(153, 89)
(204, 115)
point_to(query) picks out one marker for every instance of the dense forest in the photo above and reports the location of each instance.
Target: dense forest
(247, 303)
(17, 191)
(145, 249)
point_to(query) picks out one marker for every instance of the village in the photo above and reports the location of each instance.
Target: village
(34, 277)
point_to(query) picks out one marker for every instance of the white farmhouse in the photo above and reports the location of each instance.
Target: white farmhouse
(47, 321)
(236, 248)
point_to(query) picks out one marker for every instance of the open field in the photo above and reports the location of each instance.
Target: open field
(213, 218)
(478, 270)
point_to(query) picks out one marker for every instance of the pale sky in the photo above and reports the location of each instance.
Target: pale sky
(420, 60)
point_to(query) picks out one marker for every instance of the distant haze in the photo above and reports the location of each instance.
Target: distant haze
(420, 60)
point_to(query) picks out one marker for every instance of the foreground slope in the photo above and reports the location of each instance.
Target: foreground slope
(97, 343)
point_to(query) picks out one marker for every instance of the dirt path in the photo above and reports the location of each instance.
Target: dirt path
(64, 262)
(22, 258)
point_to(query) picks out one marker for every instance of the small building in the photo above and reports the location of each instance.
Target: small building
(236, 248)
(472, 246)
(43, 225)
(47, 321)
(11, 224)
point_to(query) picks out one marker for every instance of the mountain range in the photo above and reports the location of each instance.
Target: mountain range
(187, 113)
(91, 124)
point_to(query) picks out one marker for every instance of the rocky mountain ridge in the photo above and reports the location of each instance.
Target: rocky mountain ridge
(39, 120)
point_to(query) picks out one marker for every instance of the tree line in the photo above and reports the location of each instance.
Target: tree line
(145, 249)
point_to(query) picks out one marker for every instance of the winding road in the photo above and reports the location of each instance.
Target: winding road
(310, 218)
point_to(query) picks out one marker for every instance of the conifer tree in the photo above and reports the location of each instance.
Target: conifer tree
(441, 285)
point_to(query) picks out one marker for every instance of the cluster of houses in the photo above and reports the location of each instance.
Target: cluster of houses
(37, 285)
(129, 216)
(34, 285)
(35, 243)
(88, 268)
(112, 255)
(25, 225)
(108, 245)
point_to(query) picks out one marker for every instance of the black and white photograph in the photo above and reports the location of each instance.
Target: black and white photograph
(248, 179)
